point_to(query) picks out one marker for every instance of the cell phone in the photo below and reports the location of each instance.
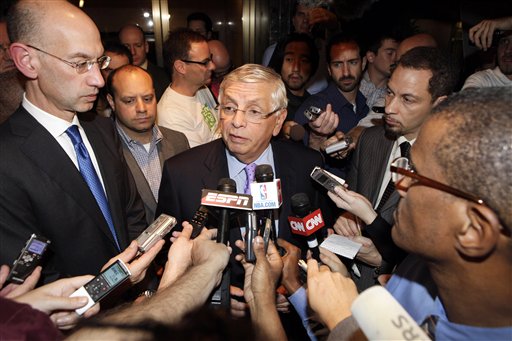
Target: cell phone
(312, 113)
(29, 258)
(326, 179)
(339, 146)
(103, 284)
(252, 232)
(155, 232)
(198, 221)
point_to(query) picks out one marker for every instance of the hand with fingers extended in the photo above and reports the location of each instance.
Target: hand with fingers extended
(291, 273)
(330, 294)
(260, 288)
(368, 253)
(337, 137)
(482, 33)
(137, 265)
(12, 290)
(333, 262)
(354, 203)
(261, 278)
(347, 225)
(54, 300)
(179, 257)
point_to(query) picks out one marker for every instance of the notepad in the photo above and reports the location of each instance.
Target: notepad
(341, 246)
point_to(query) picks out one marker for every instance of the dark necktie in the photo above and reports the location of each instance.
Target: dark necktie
(91, 178)
(249, 177)
(390, 188)
(429, 326)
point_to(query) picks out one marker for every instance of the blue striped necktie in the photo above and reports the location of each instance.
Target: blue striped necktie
(91, 177)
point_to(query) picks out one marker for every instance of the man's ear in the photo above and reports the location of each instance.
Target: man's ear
(370, 56)
(279, 122)
(179, 66)
(363, 63)
(480, 233)
(146, 46)
(25, 62)
(110, 100)
(439, 100)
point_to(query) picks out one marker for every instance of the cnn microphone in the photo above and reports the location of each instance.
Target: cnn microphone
(306, 223)
(226, 185)
(381, 317)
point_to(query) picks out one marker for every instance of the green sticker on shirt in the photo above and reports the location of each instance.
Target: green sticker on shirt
(208, 117)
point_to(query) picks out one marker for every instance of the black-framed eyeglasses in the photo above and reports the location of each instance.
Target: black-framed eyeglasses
(251, 115)
(203, 63)
(83, 66)
(401, 168)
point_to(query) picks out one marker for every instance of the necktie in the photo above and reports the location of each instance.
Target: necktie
(249, 177)
(91, 178)
(429, 326)
(390, 188)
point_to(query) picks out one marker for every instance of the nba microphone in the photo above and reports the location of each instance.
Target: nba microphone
(306, 223)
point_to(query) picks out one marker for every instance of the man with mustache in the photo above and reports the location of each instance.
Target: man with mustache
(342, 104)
(296, 59)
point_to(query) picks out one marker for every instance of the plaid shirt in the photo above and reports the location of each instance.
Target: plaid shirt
(148, 161)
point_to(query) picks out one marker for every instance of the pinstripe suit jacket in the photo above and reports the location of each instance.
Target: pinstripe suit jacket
(365, 176)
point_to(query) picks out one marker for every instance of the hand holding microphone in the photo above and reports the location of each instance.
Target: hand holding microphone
(305, 222)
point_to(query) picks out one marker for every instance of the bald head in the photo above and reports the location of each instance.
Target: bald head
(43, 23)
(220, 55)
(422, 39)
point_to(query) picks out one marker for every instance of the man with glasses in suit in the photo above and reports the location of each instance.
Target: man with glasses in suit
(63, 178)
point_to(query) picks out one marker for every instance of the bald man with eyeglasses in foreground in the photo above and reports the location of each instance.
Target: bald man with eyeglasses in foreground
(63, 177)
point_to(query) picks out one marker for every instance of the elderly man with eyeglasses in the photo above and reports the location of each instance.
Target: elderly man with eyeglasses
(188, 105)
(422, 79)
(63, 175)
(252, 102)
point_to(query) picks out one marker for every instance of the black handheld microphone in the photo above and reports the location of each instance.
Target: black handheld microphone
(229, 186)
(305, 222)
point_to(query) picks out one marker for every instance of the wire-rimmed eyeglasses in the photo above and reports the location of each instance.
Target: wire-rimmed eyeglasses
(83, 66)
(251, 115)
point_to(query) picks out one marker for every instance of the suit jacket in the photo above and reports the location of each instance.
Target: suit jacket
(160, 79)
(365, 176)
(186, 174)
(172, 143)
(42, 192)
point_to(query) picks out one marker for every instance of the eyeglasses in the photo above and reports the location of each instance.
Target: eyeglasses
(203, 63)
(80, 67)
(401, 168)
(251, 115)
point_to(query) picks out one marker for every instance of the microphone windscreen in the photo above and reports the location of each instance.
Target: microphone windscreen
(264, 173)
(297, 133)
(227, 185)
(300, 204)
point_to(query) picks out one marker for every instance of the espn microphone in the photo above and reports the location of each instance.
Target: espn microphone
(381, 317)
(306, 223)
(229, 186)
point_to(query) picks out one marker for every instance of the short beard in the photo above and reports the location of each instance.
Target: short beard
(390, 132)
